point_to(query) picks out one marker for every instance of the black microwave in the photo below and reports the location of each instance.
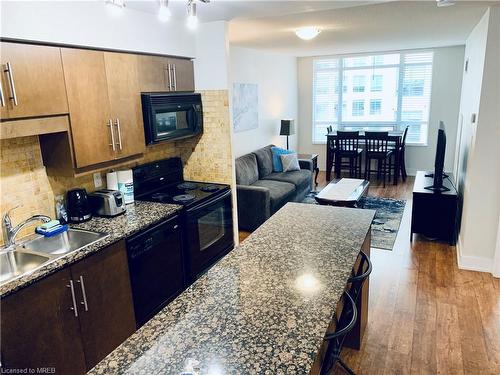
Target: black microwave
(170, 116)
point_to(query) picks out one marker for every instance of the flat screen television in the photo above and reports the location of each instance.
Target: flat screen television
(439, 162)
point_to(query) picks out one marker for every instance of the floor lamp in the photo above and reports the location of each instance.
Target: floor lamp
(287, 129)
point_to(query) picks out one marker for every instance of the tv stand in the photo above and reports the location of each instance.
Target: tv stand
(434, 213)
(432, 175)
(436, 189)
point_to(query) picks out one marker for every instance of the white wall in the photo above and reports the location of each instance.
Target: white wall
(479, 156)
(95, 24)
(276, 77)
(445, 100)
(211, 67)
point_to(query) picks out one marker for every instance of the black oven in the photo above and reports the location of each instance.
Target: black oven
(169, 116)
(209, 233)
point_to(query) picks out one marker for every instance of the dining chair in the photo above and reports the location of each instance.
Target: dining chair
(347, 145)
(343, 325)
(402, 149)
(377, 148)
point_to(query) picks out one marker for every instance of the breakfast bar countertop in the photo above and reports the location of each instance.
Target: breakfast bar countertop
(263, 309)
(138, 216)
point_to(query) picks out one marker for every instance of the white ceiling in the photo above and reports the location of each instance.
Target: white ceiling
(377, 27)
(226, 10)
(347, 26)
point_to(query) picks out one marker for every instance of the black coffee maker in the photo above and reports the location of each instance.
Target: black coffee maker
(77, 204)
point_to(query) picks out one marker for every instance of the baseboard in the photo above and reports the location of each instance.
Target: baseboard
(473, 263)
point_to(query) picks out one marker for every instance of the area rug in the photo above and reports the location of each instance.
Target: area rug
(387, 218)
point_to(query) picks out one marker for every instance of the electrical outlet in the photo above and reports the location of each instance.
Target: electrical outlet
(97, 180)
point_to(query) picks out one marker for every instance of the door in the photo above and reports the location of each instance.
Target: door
(33, 75)
(209, 232)
(105, 301)
(125, 103)
(154, 74)
(183, 74)
(86, 85)
(40, 330)
(156, 268)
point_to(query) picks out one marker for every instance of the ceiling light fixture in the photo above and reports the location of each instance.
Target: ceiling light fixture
(164, 11)
(307, 32)
(118, 3)
(444, 3)
(192, 20)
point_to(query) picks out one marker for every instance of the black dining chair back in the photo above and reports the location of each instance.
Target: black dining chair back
(402, 161)
(343, 325)
(376, 142)
(348, 141)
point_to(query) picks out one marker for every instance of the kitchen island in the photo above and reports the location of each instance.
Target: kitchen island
(263, 309)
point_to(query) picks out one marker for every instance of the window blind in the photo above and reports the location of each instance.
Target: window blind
(373, 92)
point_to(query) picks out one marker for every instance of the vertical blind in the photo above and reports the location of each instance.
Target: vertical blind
(387, 91)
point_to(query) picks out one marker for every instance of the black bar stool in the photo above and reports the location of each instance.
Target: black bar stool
(348, 317)
(348, 148)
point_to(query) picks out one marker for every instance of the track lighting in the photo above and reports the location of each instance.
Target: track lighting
(164, 11)
(192, 20)
(118, 3)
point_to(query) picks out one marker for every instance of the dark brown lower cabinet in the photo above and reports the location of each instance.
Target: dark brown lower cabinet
(40, 326)
(39, 329)
(105, 302)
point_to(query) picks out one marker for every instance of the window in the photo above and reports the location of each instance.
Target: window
(375, 107)
(377, 80)
(358, 84)
(394, 87)
(358, 107)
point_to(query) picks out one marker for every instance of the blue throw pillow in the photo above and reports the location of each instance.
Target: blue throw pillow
(277, 152)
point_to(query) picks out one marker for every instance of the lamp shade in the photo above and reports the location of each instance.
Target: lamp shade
(287, 127)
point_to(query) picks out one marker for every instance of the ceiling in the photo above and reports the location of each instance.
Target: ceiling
(347, 26)
(376, 27)
(227, 10)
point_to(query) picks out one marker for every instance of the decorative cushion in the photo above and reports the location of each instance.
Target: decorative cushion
(264, 160)
(246, 170)
(290, 162)
(277, 152)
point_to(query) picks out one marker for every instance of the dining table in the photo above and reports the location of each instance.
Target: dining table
(395, 140)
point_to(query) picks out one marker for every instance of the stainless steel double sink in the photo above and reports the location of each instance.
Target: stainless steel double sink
(37, 252)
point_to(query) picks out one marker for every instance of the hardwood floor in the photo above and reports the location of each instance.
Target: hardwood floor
(425, 315)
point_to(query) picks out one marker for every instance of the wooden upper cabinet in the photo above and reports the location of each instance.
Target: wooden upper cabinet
(90, 115)
(125, 102)
(40, 330)
(34, 76)
(153, 73)
(104, 298)
(182, 73)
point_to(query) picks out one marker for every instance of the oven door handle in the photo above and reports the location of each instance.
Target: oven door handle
(210, 202)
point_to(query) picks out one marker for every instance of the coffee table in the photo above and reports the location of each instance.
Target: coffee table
(346, 192)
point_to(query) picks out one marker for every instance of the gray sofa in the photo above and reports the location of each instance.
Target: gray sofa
(261, 192)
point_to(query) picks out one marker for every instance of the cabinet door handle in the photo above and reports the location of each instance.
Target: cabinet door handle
(175, 77)
(169, 77)
(119, 133)
(12, 85)
(112, 144)
(2, 98)
(74, 308)
(82, 286)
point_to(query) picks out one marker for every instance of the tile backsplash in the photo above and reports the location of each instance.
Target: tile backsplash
(24, 181)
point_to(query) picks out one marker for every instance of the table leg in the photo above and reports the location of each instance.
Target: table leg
(316, 176)
(329, 161)
(397, 161)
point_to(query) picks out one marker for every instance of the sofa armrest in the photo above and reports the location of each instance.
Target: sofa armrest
(306, 164)
(254, 206)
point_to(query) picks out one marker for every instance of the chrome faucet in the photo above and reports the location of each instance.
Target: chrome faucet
(10, 232)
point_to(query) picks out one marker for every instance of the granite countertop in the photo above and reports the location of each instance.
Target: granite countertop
(139, 215)
(263, 309)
